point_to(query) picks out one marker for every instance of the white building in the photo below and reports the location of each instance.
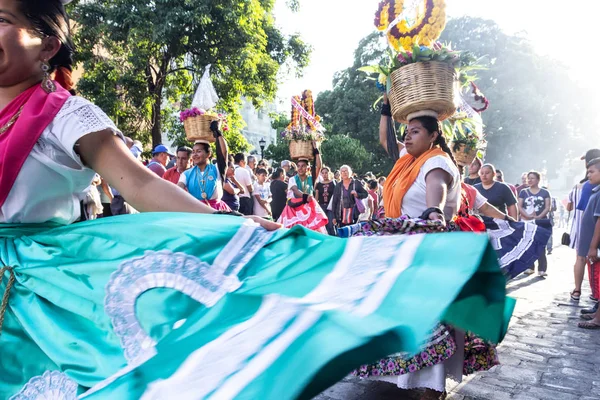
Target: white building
(258, 125)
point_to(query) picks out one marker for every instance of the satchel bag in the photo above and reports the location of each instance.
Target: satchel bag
(565, 240)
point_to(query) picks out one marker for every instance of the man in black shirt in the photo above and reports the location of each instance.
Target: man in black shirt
(497, 194)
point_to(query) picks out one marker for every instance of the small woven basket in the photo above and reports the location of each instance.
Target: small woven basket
(301, 149)
(423, 86)
(198, 128)
(463, 156)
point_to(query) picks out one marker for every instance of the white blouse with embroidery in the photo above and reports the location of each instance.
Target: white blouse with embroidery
(414, 202)
(53, 179)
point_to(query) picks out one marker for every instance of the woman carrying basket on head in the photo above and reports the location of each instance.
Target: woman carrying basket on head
(423, 194)
(302, 207)
(205, 180)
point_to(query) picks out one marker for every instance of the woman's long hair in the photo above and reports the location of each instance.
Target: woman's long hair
(48, 18)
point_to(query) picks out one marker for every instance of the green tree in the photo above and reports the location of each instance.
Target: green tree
(338, 150)
(348, 110)
(280, 150)
(142, 60)
(537, 114)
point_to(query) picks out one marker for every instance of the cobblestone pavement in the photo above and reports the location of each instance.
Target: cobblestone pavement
(544, 355)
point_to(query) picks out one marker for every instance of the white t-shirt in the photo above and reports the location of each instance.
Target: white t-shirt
(53, 179)
(264, 191)
(414, 202)
(243, 177)
(480, 200)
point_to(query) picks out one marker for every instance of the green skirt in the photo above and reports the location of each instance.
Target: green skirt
(211, 306)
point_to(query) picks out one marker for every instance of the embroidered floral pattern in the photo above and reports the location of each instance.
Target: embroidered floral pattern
(440, 348)
(479, 355)
(52, 385)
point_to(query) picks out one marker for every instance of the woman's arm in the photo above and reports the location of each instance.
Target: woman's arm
(436, 183)
(524, 213)
(547, 207)
(230, 189)
(383, 129)
(107, 154)
(490, 211)
(361, 192)
(512, 211)
(335, 203)
(106, 189)
(593, 252)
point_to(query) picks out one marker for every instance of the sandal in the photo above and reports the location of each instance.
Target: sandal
(576, 295)
(588, 325)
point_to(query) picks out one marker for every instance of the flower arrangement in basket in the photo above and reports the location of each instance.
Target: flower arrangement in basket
(464, 130)
(420, 74)
(197, 119)
(304, 128)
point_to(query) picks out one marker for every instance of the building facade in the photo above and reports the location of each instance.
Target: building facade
(258, 125)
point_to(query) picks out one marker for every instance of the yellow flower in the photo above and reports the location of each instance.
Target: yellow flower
(398, 8)
(435, 12)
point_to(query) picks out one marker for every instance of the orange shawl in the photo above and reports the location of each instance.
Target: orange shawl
(403, 175)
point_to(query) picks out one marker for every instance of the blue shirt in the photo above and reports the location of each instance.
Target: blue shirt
(584, 196)
(207, 182)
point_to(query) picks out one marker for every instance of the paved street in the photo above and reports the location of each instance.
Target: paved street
(544, 356)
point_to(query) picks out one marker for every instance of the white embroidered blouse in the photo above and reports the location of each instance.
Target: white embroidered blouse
(53, 179)
(414, 202)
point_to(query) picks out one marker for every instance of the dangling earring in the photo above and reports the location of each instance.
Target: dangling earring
(47, 84)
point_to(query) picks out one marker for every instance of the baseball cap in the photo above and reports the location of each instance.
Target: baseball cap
(590, 155)
(161, 148)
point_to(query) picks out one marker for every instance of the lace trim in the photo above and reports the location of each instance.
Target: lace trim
(52, 385)
(205, 283)
(524, 244)
(214, 371)
(91, 117)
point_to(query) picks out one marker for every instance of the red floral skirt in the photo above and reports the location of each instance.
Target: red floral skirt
(309, 215)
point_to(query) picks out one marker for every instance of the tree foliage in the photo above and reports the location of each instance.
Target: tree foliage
(338, 150)
(537, 114)
(143, 59)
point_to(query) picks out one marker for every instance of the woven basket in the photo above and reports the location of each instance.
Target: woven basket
(423, 86)
(461, 155)
(198, 128)
(301, 149)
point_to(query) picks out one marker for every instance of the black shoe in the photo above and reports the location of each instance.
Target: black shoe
(589, 310)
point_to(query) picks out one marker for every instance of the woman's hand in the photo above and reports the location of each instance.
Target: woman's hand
(509, 218)
(593, 255)
(268, 225)
(434, 216)
(334, 222)
(353, 193)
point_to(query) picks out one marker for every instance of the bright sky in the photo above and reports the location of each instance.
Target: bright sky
(334, 28)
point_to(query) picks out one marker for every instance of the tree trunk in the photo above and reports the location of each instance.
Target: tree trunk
(156, 111)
